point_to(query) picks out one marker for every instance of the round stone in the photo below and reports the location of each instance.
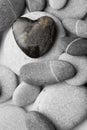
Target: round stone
(25, 94)
(37, 121)
(35, 38)
(8, 83)
(57, 4)
(65, 105)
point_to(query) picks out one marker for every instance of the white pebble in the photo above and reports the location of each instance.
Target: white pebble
(63, 104)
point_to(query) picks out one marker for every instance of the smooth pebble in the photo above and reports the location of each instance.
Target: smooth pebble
(82, 126)
(25, 94)
(80, 64)
(76, 26)
(9, 52)
(35, 38)
(77, 47)
(8, 83)
(63, 104)
(57, 4)
(36, 5)
(37, 121)
(48, 72)
(12, 118)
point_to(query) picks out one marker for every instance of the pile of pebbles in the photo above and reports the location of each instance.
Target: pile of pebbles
(43, 65)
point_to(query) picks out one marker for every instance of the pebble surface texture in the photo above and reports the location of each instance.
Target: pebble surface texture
(8, 83)
(57, 4)
(25, 94)
(73, 9)
(11, 51)
(12, 118)
(10, 10)
(77, 47)
(37, 121)
(80, 64)
(63, 104)
(35, 38)
(76, 26)
(35, 5)
(48, 72)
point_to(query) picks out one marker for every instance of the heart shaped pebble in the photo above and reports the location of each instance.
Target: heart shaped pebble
(37, 121)
(77, 47)
(48, 72)
(12, 118)
(35, 5)
(25, 94)
(80, 63)
(8, 83)
(35, 38)
(63, 104)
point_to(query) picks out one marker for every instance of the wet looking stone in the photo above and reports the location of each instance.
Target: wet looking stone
(35, 38)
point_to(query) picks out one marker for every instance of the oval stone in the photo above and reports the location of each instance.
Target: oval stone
(48, 72)
(35, 38)
(77, 47)
(37, 121)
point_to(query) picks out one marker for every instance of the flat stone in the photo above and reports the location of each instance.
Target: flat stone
(8, 83)
(48, 72)
(9, 52)
(80, 64)
(35, 38)
(37, 121)
(12, 118)
(77, 47)
(65, 105)
(25, 94)
(36, 5)
(57, 4)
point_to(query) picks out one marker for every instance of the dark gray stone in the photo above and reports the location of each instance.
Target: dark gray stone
(35, 38)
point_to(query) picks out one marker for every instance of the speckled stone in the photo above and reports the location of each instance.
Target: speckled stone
(47, 72)
(77, 47)
(37, 121)
(65, 105)
(35, 38)
(36, 5)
